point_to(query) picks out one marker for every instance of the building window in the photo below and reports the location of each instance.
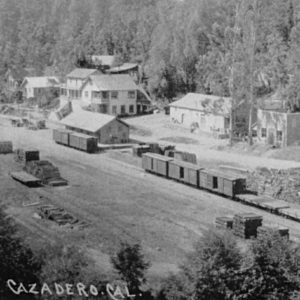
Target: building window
(114, 95)
(105, 95)
(114, 109)
(131, 108)
(263, 132)
(131, 95)
(123, 109)
(279, 135)
(86, 93)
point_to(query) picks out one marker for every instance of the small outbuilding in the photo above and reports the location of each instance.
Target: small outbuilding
(108, 129)
(205, 112)
(278, 128)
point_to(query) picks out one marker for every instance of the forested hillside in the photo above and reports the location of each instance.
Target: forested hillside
(213, 46)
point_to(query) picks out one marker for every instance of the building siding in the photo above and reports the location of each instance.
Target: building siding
(114, 132)
(271, 123)
(206, 121)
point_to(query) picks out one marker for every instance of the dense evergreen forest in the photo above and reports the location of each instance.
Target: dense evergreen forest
(233, 47)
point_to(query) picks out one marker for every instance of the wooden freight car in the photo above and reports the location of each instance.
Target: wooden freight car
(184, 172)
(61, 136)
(156, 163)
(227, 184)
(83, 142)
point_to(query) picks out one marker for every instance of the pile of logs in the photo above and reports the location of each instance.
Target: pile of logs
(245, 225)
(280, 184)
(282, 231)
(45, 171)
(224, 222)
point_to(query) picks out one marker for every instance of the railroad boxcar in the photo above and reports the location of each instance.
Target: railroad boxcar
(61, 136)
(184, 172)
(83, 142)
(224, 183)
(156, 163)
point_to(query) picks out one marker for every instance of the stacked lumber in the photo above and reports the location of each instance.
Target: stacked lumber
(265, 230)
(139, 150)
(26, 155)
(280, 184)
(45, 171)
(183, 156)
(6, 147)
(245, 225)
(224, 222)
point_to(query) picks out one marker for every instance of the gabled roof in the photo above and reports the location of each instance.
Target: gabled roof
(118, 82)
(82, 73)
(42, 81)
(205, 103)
(89, 121)
(123, 68)
(104, 60)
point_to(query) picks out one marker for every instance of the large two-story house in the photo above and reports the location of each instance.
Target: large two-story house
(75, 80)
(111, 94)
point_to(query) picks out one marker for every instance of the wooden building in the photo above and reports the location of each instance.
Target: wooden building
(111, 94)
(205, 112)
(72, 89)
(108, 129)
(278, 128)
(36, 87)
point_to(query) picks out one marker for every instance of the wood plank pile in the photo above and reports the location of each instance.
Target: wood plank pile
(280, 184)
(184, 156)
(24, 156)
(6, 147)
(140, 149)
(282, 231)
(245, 225)
(46, 171)
(224, 222)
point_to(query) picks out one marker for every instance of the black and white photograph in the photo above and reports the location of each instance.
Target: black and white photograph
(150, 149)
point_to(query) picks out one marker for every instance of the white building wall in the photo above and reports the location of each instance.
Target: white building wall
(206, 122)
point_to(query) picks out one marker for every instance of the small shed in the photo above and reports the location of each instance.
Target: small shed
(205, 112)
(108, 129)
(278, 128)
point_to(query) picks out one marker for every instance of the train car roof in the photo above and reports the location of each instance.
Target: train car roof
(186, 164)
(226, 175)
(158, 156)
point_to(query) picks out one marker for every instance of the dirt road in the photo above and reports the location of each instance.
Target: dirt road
(121, 203)
(159, 128)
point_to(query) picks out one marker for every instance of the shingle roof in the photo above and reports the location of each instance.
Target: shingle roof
(118, 82)
(205, 103)
(82, 73)
(42, 81)
(87, 120)
(105, 60)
